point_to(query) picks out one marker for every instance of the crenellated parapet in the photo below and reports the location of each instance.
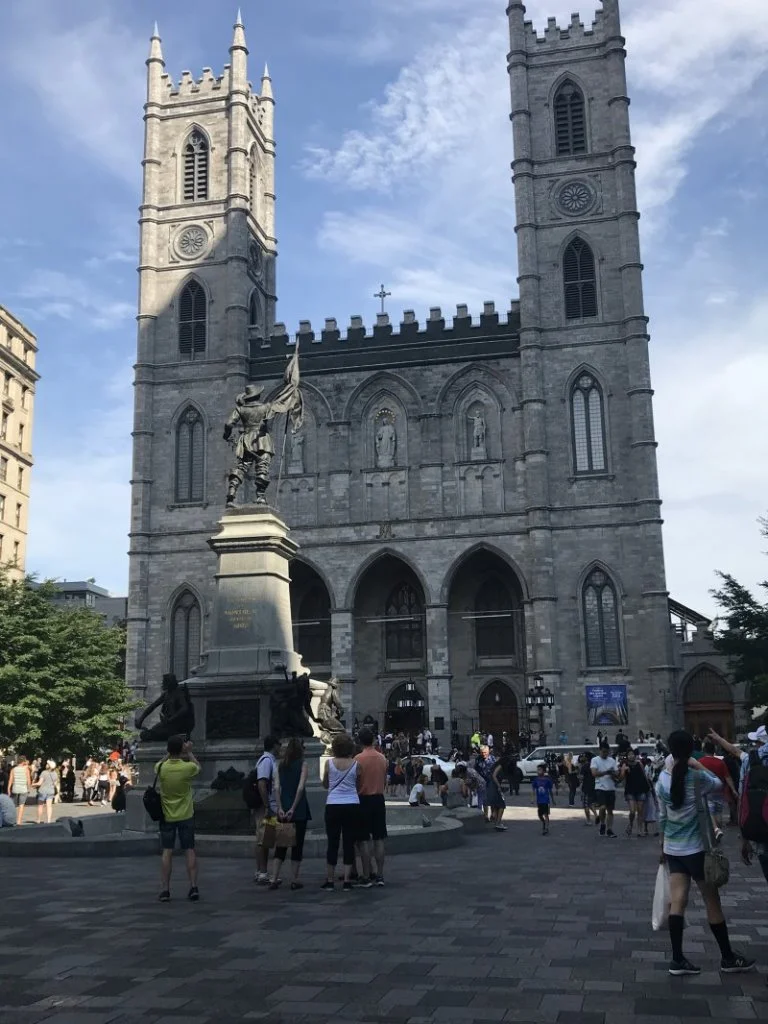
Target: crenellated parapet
(438, 338)
(577, 32)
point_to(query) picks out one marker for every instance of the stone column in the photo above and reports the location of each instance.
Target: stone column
(438, 672)
(342, 666)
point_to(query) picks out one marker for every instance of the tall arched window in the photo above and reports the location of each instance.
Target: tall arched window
(253, 181)
(254, 309)
(196, 168)
(190, 457)
(404, 628)
(313, 628)
(579, 280)
(186, 635)
(494, 621)
(601, 621)
(193, 320)
(588, 425)
(570, 121)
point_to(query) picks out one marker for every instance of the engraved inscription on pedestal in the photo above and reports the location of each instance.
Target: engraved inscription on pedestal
(232, 719)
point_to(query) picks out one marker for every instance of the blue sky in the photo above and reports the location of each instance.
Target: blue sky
(394, 148)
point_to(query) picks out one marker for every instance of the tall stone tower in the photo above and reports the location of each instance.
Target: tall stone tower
(593, 497)
(206, 285)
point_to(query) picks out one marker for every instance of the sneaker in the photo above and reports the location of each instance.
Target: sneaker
(380, 880)
(261, 878)
(328, 886)
(275, 885)
(602, 830)
(545, 832)
(736, 964)
(296, 885)
(611, 835)
(501, 828)
(194, 894)
(364, 883)
(164, 896)
(681, 967)
(347, 887)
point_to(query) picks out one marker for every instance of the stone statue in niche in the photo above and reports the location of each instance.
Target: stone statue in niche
(386, 441)
(296, 462)
(477, 448)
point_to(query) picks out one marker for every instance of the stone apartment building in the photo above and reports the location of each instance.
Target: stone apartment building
(18, 350)
(475, 496)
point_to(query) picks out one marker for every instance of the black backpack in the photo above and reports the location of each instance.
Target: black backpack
(153, 805)
(251, 792)
(753, 805)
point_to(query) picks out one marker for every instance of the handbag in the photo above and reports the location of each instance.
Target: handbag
(661, 899)
(153, 804)
(717, 868)
(285, 835)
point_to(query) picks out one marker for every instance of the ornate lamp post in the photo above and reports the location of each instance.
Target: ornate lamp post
(539, 698)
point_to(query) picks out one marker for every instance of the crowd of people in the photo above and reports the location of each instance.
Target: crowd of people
(41, 783)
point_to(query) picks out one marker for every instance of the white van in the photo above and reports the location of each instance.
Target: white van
(530, 763)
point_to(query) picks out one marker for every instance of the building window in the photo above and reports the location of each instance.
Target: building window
(601, 621)
(190, 457)
(18, 515)
(494, 624)
(2, 507)
(313, 629)
(3, 468)
(404, 628)
(21, 435)
(580, 281)
(15, 552)
(186, 635)
(196, 168)
(4, 427)
(588, 426)
(7, 385)
(193, 320)
(27, 353)
(570, 121)
(254, 312)
(20, 479)
(24, 397)
(1, 547)
(252, 180)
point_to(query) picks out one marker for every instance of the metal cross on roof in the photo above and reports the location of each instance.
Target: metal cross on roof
(383, 294)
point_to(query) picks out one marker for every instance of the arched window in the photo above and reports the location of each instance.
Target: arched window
(494, 622)
(253, 180)
(570, 121)
(404, 628)
(601, 620)
(196, 168)
(186, 635)
(254, 309)
(193, 320)
(314, 627)
(588, 425)
(190, 457)
(580, 281)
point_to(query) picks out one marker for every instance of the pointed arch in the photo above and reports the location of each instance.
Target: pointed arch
(601, 618)
(376, 556)
(185, 633)
(570, 115)
(384, 381)
(465, 556)
(579, 280)
(189, 461)
(254, 309)
(196, 152)
(318, 402)
(302, 562)
(192, 315)
(587, 411)
(476, 374)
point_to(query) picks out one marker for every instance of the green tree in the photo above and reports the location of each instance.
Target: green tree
(61, 686)
(745, 636)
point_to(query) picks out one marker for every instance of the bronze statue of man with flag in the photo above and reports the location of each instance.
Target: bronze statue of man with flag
(254, 448)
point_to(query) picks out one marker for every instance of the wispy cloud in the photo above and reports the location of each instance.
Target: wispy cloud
(62, 295)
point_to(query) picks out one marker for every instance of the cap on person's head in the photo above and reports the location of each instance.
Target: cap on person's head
(760, 736)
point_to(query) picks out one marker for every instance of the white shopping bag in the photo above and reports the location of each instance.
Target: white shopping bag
(660, 912)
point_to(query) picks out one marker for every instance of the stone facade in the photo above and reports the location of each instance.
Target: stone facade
(476, 501)
(18, 350)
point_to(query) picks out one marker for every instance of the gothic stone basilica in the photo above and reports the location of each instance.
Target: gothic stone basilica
(475, 497)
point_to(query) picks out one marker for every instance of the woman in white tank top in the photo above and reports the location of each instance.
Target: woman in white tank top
(342, 809)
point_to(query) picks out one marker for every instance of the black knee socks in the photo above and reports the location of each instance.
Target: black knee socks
(676, 926)
(720, 931)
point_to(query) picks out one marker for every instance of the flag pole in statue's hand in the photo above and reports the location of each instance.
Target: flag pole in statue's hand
(291, 376)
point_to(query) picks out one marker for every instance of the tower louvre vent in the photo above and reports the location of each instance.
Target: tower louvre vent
(579, 280)
(195, 168)
(570, 121)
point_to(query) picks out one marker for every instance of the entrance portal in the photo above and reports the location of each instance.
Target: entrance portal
(708, 704)
(406, 710)
(499, 712)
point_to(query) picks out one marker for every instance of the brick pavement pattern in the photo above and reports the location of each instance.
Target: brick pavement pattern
(509, 927)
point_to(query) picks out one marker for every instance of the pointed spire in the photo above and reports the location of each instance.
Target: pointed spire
(266, 84)
(239, 19)
(238, 40)
(155, 46)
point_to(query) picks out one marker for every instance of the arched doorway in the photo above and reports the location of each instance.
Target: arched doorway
(708, 703)
(498, 711)
(406, 709)
(311, 615)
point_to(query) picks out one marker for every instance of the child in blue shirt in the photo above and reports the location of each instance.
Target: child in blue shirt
(543, 796)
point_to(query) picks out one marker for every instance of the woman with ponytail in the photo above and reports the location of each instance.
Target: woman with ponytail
(683, 851)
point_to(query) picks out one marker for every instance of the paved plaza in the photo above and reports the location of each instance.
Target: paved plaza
(508, 927)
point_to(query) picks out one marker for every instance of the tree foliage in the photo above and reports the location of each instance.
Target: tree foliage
(745, 638)
(61, 684)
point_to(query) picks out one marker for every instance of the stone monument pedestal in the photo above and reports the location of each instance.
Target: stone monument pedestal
(251, 642)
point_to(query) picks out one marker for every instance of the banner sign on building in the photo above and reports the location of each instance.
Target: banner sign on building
(607, 705)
